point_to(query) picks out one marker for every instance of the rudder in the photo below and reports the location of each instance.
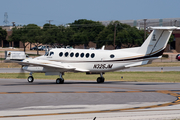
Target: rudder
(156, 41)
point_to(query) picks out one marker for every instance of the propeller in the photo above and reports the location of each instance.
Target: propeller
(22, 73)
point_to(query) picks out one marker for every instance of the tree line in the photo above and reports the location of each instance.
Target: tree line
(79, 32)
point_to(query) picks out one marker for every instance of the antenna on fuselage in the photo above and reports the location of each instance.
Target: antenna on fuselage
(103, 47)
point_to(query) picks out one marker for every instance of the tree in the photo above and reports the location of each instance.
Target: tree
(30, 33)
(67, 37)
(3, 34)
(106, 36)
(50, 34)
(35, 35)
(86, 31)
(130, 37)
(125, 34)
(20, 34)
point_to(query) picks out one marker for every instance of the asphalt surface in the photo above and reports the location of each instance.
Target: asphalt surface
(18, 70)
(85, 100)
(153, 69)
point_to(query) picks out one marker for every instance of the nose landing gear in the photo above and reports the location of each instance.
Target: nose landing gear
(30, 79)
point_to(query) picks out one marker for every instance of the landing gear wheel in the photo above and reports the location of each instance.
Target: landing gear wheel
(100, 79)
(30, 79)
(59, 81)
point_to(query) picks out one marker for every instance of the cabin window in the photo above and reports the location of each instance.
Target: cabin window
(72, 54)
(77, 54)
(66, 54)
(61, 54)
(82, 54)
(51, 53)
(87, 55)
(111, 56)
(92, 55)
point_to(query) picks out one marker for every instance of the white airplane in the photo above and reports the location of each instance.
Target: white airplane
(57, 61)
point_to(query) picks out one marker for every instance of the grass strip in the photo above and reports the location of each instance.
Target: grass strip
(171, 77)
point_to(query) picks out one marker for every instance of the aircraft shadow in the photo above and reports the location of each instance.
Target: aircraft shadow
(85, 82)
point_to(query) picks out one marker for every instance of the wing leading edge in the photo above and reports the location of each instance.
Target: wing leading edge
(51, 64)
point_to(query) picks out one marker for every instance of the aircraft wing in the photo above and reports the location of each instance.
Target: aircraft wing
(51, 64)
(46, 63)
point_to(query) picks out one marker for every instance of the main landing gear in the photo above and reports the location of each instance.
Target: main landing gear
(100, 79)
(60, 80)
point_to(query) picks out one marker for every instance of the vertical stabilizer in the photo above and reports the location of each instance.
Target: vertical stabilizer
(156, 41)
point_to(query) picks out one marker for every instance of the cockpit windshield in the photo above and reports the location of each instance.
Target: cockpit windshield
(46, 54)
(51, 53)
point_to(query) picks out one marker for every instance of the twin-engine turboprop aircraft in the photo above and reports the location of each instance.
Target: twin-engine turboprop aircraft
(58, 61)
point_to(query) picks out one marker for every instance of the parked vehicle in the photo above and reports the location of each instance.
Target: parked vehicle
(178, 57)
(39, 48)
(33, 48)
(43, 47)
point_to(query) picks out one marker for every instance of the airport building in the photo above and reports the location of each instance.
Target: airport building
(140, 24)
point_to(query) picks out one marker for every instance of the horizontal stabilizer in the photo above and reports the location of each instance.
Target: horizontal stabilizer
(164, 28)
(137, 64)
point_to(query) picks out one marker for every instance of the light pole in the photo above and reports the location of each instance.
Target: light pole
(145, 29)
(115, 35)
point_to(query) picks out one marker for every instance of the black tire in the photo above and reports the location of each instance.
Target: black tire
(100, 79)
(59, 81)
(30, 79)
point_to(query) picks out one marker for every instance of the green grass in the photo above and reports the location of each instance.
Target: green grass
(2, 58)
(110, 76)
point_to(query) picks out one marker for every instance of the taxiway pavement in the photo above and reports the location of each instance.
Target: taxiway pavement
(88, 100)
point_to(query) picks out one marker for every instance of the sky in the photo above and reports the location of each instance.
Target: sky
(24, 12)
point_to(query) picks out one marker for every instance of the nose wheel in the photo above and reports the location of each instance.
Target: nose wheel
(30, 79)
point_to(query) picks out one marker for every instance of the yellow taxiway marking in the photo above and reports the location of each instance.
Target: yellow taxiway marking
(177, 101)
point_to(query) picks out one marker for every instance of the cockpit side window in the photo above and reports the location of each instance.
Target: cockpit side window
(51, 53)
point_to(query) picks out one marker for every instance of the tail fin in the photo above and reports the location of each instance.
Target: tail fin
(156, 41)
